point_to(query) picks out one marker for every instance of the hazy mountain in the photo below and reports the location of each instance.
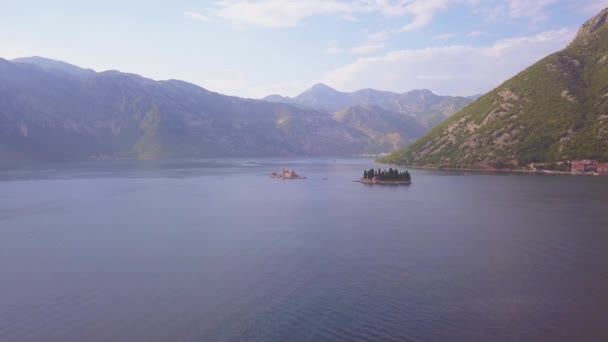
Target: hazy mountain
(555, 110)
(390, 130)
(55, 67)
(429, 109)
(279, 99)
(53, 110)
(322, 97)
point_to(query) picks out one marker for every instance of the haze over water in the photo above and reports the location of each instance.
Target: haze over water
(216, 250)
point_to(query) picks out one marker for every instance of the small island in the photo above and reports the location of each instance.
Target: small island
(386, 177)
(286, 174)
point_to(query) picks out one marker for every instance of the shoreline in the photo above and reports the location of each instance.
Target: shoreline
(520, 171)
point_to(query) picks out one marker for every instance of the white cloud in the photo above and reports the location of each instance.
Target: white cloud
(373, 42)
(275, 13)
(333, 48)
(455, 69)
(592, 7)
(532, 10)
(367, 48)
(528, 8)
(422, 11)
(444, 36)
(196, 16)
(348, 17)
(289, 13)
(475, 34)
(378, 36)
(435, 77)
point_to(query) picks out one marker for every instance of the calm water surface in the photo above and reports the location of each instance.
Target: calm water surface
(217, 251)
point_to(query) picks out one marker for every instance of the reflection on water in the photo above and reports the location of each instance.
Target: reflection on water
(216, 250)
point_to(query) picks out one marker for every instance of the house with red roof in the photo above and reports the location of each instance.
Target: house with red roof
(586, 165)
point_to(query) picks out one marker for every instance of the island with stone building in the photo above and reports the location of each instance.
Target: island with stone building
(286, 174)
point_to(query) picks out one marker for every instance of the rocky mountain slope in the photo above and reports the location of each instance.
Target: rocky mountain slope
(391, 120)
(555, 110)
(51, 110)
(390, 130)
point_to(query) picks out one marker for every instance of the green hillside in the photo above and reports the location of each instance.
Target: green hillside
(555, 110)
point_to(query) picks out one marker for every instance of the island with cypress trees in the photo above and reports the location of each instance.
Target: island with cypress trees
(390, 177)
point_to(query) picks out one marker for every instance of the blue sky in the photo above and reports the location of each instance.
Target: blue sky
(253, 48)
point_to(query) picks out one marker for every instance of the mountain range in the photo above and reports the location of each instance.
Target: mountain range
(390, 119)
(427, 108)
(555, 110)
(51, 110)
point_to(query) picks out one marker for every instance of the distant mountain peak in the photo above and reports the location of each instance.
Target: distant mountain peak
(42, 61)
(421, 92)
(53, 65)
(321, 87)
(36, 59)
(277, 98)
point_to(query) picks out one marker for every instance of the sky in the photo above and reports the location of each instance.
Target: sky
(254, 48)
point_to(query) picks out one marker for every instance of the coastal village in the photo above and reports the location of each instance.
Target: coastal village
(575, 167)
(584, 166)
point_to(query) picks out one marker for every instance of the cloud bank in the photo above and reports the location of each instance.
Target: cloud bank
(289, 13)
(454, 69)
